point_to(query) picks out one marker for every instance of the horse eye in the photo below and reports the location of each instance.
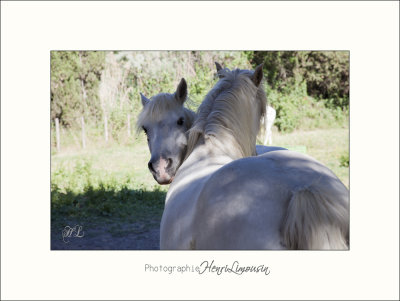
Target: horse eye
(180, 121)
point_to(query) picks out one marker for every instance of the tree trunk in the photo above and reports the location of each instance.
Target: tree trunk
(58, 134)
(129, 125)
(105, 128)
(83, 133)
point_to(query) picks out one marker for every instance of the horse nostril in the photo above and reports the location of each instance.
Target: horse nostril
(169, 163)
(150, 165)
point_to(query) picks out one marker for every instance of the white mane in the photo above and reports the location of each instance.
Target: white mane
(159, 105)
(230, 115)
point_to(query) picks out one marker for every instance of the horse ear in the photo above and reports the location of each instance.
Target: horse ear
(258, 75)
(219, 68)
(145, 100)
(181, 91)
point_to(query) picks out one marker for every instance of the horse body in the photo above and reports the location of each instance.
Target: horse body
(192, 180)
(210, 206)
(224, 197)
(262, 149)
(246, 205)
(217, 203)
(180, 204)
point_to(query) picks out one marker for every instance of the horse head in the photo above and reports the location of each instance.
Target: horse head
(165, 121)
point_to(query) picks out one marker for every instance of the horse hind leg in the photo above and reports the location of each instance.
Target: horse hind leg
(267, 137)
(315, 221)
(270, 138)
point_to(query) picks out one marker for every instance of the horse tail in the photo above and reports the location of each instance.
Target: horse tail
(314, 220)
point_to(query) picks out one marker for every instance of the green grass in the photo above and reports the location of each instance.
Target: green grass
(108, 185)
(111, 185)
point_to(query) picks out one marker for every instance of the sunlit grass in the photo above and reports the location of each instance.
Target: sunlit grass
(128, 164)
(111, 162)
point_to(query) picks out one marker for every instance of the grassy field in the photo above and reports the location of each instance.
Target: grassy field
(106, 188)
(111, 187)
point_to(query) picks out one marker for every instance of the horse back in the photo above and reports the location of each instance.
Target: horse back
(243, 205)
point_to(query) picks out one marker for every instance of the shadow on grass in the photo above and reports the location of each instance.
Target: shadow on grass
(124, 219)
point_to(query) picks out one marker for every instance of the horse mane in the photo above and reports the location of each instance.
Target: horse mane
(161, 103)
(230, 115)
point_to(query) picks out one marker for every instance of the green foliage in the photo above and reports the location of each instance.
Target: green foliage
(296, 110)
(308, 89)
(326, 73)
(75, 78)
(118, 124)
(345, 160)
(152, 72)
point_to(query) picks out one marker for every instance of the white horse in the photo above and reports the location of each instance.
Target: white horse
(166, 121)
(269, 122)
(222, 198)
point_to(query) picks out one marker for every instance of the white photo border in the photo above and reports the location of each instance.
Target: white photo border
(30, 30)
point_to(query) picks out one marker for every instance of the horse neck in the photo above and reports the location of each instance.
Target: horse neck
(206, 153)
(201, 163)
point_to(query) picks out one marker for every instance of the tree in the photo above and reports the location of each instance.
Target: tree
(75, 78)
(326, 73)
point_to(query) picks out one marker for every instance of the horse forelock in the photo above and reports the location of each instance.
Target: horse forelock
(230, 114)
(159, 106)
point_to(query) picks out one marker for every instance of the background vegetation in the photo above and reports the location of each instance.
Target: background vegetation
(308, 89)
(107, 182)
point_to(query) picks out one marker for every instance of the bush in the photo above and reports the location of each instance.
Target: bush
(345, 160)
(325, 73)
(308, 89)
(296, 110)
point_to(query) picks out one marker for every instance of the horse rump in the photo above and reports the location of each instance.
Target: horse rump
(316, 220)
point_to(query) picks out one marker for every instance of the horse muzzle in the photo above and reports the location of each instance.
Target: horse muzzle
(162, 170)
